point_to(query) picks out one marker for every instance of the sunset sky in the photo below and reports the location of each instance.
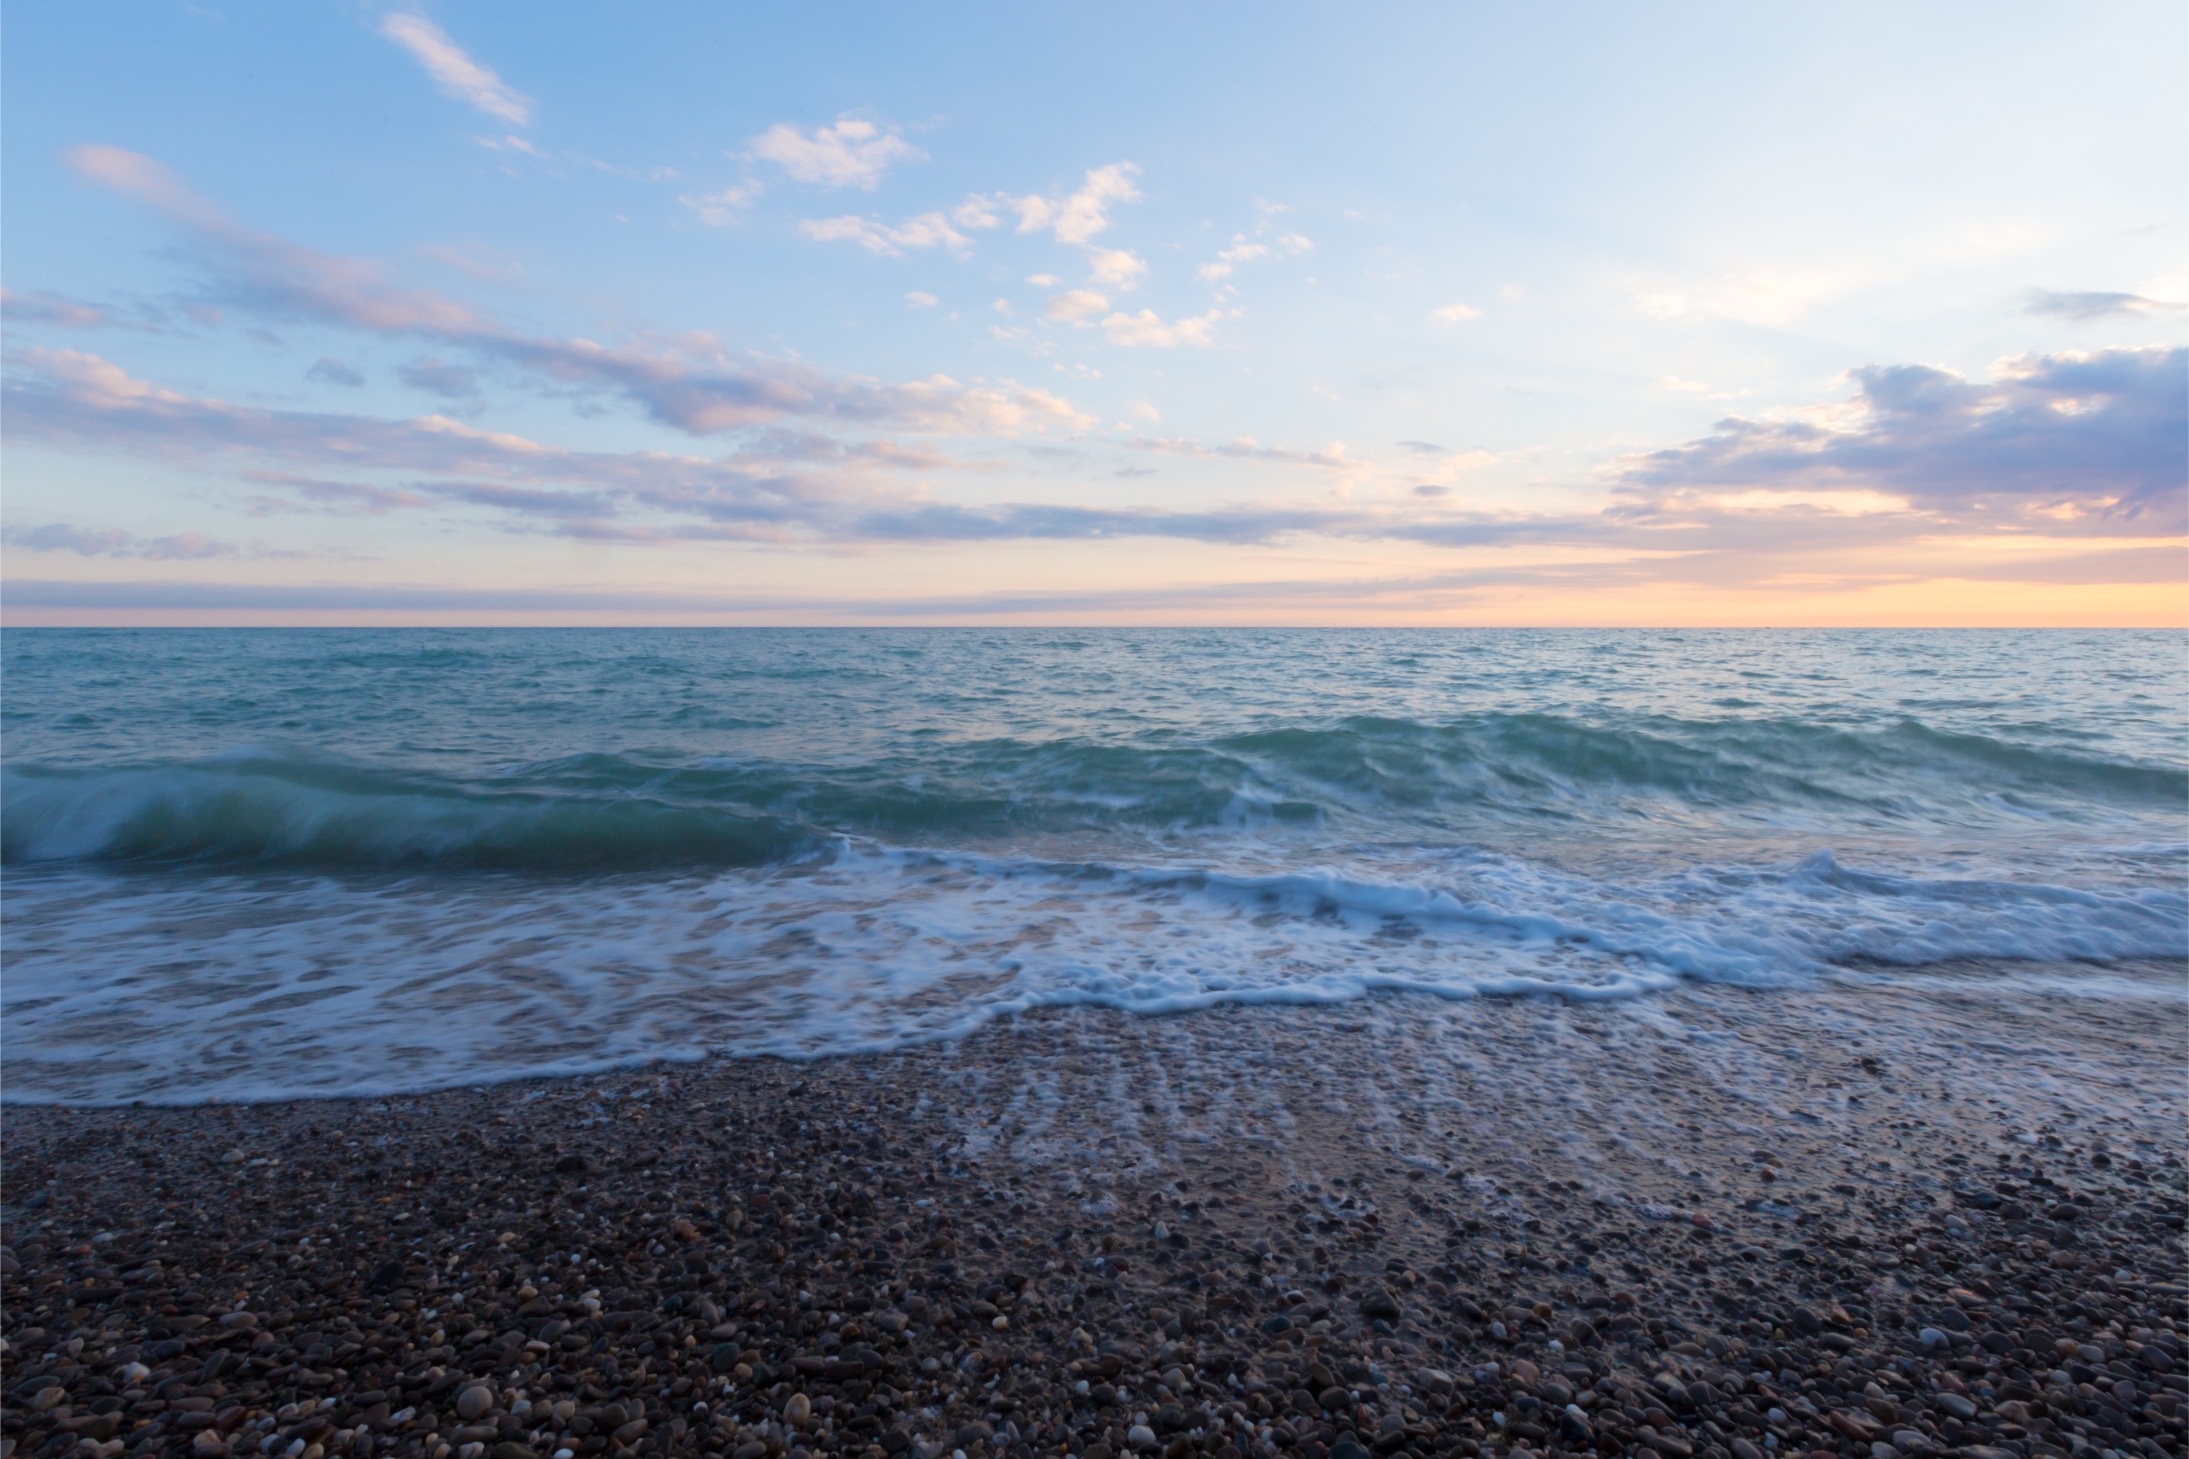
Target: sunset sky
(544, 313)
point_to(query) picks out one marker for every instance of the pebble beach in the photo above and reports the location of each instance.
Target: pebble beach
(1719, 1226)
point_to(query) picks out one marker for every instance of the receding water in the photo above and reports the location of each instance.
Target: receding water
(245, 864)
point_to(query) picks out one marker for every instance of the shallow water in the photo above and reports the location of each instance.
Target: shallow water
(247, 864)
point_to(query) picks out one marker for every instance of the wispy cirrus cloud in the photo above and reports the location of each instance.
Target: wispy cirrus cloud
(724, 206)
(1243, 250)
(787, 487)
(114, 542)
(2084, 306)
(43, 306)
(455, 72)
(327, 370)
(852, 152)
(689, 382)
(928, 230)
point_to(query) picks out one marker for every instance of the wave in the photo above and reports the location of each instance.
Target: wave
(1364, 778)
(274, 987)
(314, 814)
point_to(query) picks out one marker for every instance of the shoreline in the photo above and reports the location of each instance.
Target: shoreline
(1725, 1225)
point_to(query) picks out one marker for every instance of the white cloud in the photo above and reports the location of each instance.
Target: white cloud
(456, 73)
(1074, 219)
(720, 209)
(921, 299)
(1045, 281)
(1455, 314)
(928, 230)
(1077, 306)
(1119, 268)
(1145, 328)
(853, 153)
(1766, 297)
(1838, 503)
(976, 212)
(1511, 293)
(1242, 251)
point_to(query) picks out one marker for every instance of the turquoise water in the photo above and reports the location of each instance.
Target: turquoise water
(244, 863)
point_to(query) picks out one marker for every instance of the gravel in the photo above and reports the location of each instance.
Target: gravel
(903, 1255)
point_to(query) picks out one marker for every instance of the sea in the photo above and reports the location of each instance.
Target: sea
(245, 864)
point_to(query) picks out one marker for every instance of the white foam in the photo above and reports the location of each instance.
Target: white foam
(183, 988)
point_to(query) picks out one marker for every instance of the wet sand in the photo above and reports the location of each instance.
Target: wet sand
(1885, 1218)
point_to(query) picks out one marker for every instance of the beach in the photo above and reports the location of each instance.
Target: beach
(1899, 1216)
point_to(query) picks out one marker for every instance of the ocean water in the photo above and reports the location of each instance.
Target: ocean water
(250, 864)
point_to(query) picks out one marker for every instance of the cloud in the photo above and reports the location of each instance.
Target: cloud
(1076, 306)
(1243, 251)
(46, 307)
(921, 299)
(2082, 307)
(1117, 268)
(784, 486)
(1145, 329)
(336, 498)
(329, 371)
(1246, 448)
(929, 230)
(778, 484)
(689, 382)
(452, 382)
(152, 183)
(976, 212)
(2094, 435)
(1073, 219)
(720, 209)
(453, 71)
(852, 153)
(1766, 296)
(113, 542)
(1455, 314)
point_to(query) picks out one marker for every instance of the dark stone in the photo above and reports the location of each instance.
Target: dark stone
(1375, 1302)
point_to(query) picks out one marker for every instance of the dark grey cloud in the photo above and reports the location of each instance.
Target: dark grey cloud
(2082, 307)
(329, 371)
(2102, 435)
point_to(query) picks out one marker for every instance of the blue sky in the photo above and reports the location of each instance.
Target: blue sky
(1147, 314)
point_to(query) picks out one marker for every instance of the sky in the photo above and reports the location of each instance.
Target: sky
(1137, 314)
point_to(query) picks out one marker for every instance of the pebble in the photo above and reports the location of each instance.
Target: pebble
(777, 1283)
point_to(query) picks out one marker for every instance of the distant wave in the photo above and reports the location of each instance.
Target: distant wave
(604, 812)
